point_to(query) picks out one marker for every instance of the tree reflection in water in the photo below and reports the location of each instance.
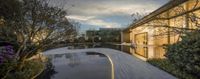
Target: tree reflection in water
(48, 72)
(73, 58)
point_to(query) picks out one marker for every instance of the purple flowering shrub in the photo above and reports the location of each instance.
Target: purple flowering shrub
(7, 59)
(6, 54)
(9, 65)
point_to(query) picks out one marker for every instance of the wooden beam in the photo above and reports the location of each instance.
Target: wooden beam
(171, 27)
(168, 30)
(186, 12)
(161, 18)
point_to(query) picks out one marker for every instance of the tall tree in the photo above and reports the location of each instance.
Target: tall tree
(33, 25)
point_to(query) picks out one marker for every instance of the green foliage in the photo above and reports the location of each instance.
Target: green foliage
(30, 70)
(48, 72)
(169, 67)
(10, 9)
(30, 26)
(7, 60)
(185, 54)
(6, 67)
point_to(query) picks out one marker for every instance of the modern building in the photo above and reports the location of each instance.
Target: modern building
(110, 34)
(163, 26)
(92, 36)
(105, 34)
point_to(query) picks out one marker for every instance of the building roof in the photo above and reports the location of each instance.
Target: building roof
(171, 4)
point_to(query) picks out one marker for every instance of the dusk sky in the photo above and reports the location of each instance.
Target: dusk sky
(94, 14)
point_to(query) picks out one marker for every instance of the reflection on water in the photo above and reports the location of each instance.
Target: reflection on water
(85, 65)
(123, 48)
(74, 59)
(68, 55)
(48, 72)
(95, 53)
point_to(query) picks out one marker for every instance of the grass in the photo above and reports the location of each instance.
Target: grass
(169, 67)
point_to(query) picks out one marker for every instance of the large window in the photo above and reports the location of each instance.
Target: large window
(141, 41)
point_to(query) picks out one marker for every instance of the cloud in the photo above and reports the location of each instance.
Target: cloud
(102, 23)
(108, 10)
(91, 20)
(109, 7)
(108, 13)
(79, 18)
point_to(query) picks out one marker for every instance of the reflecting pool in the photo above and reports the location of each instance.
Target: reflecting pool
(83, 65)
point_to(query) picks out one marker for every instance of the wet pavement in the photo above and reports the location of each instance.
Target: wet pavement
(82, 65)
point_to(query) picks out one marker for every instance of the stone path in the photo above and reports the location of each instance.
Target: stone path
(125, 66)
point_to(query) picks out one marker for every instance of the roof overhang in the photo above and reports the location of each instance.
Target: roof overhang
(171, 4)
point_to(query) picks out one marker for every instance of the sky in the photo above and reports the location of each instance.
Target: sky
(95, 14)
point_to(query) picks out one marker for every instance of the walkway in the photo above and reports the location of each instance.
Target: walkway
(125, 66)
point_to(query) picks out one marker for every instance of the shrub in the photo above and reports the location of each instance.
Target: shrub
(9, 65)
(7, 60)
(169, 67)
(48, 72)
(185, 54)
(30, 70)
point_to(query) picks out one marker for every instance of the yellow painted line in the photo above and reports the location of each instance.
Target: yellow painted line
(112, 67)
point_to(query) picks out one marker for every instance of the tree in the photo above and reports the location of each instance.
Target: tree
(185, 53)
(33, 25)
(138, 15)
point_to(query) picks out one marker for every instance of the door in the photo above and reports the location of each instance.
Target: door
(141, 41)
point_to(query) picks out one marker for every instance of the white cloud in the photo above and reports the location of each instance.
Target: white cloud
(91, 20)
(128, 9)
(98, 22)
(79, 18)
